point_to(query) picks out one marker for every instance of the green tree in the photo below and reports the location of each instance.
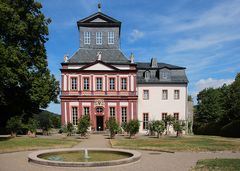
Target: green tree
(159, 127)
(233, 100)
(32, 126)
(70, 129)
(133, 127)
(113, 126)
(14, 124)
(168, 121)
(44, 120)
(83, 125)
(178, 127)
(151, 130)
(56, 120)
(26, 83)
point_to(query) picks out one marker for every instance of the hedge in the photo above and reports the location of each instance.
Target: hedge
(231, 130)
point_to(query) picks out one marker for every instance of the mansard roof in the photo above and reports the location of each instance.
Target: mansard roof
(85, 55)
(175, 74)
(91, 21)
(145, 65)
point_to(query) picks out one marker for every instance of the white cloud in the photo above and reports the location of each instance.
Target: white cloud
(211, 83)
(203, 42)
(135, 35)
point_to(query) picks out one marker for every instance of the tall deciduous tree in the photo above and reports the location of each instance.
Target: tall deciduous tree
(26, 83)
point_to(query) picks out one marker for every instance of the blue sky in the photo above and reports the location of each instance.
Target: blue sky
(202, 35)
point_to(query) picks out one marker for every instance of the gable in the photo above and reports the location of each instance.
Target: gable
(98, 20)
(99, 66)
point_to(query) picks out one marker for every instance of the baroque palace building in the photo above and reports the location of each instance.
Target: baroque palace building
(99, 81)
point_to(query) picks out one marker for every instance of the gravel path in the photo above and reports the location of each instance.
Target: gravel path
(150, 161)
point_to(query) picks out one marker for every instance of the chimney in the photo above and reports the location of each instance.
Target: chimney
(154, 63)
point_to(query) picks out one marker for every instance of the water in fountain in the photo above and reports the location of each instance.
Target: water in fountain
(86, 156)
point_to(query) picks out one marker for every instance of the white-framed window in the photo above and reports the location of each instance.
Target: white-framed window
(98, 38)
(124, 114)
(110, 37)
(145, 94)
(85, 83)
(123, 83)
(176, 94)
(74, 83)
(176, 116)
(86, 111)
(99, 84)
(112, 83)
(99, 110)
(164, 94)
(87, 38)
(164, 115)
(145, 120)
(74, 116)
(112, 111)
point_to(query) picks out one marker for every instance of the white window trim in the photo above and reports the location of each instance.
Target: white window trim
(74, 116)
(98, 84)
(98, 38)
(87, 38)
(110, 38)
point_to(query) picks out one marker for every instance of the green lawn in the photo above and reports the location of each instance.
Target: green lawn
(187, 143)
(26, 143)
(218, 164)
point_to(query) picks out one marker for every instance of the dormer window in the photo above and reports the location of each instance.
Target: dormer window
(165, 74)
(98, 38)
(147, 75)
(110, 37)
(87, 38)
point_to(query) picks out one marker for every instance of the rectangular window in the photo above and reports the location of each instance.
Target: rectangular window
(87, 38)
(124, 114)
(74, 83)
(112, 83)
(99, 84)
(164, 115)
(145, 121)
(86, 84)
(86, 110)
(74, 116)
(124, 83)
(164, 94)
(176, 94)
(145, 94)
(110, 37)
(112, 111)
(176, 116)
(98, 38)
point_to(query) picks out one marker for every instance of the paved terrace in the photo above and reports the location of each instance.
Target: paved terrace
(151, 161)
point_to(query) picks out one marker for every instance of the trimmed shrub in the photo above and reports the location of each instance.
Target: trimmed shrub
(231, 129)
(112, 125)
(133, 127)
(83, 125)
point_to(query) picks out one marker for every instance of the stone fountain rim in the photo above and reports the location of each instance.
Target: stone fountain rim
(33, 157)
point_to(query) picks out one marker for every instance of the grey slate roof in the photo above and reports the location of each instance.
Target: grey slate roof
(145, 65)
(176, 74)
(84, 55)
(98, 15)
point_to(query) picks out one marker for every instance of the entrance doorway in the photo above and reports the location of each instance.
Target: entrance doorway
(99, 122)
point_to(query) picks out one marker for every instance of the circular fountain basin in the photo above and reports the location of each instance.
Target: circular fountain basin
(74, 157)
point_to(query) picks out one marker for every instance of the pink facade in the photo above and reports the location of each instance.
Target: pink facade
(117, 97)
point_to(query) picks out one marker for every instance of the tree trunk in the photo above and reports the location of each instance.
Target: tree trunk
(158, 134)
(13, 134)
